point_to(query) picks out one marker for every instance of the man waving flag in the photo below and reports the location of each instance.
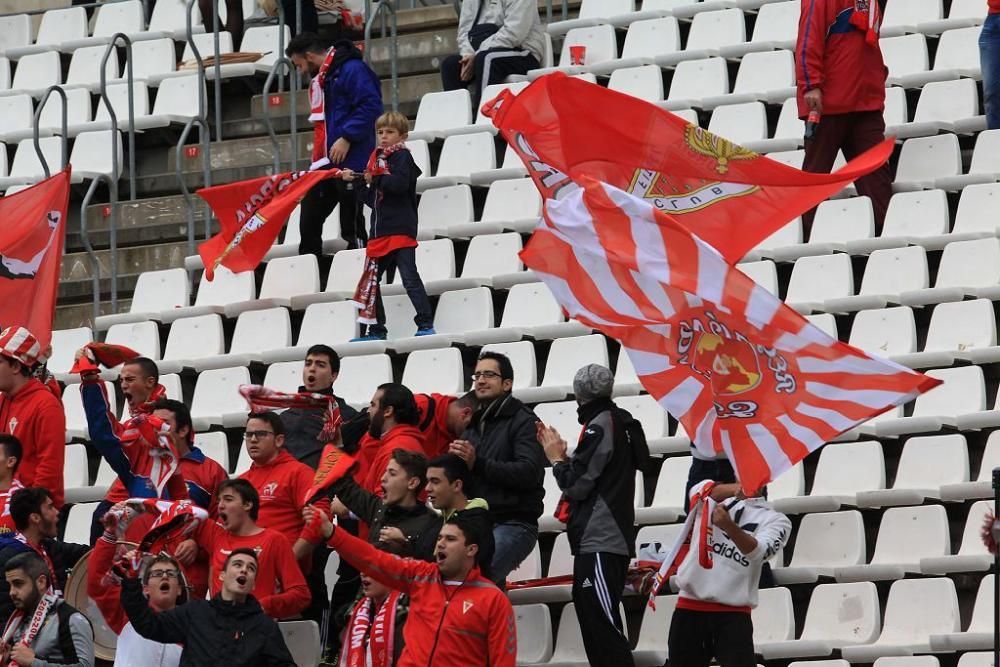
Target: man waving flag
(743, 372)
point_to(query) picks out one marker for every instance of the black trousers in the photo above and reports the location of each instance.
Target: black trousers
(310, 19)
(598, 580)
(317, 206)
(492, 66)
(404, 260)
(698, 636)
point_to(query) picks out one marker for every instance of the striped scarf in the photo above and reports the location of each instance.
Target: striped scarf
(867, 18)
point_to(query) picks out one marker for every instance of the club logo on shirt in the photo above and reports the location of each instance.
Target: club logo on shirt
(12, 425)
(269, 490)
(466, 606)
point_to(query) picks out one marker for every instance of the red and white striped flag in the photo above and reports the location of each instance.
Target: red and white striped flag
(743, 372)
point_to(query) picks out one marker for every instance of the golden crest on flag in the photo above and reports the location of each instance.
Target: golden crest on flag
(721, 150)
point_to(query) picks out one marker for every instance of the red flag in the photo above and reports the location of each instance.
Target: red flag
(251, 214)
(743, 372)
(31, 249)
(732, 198)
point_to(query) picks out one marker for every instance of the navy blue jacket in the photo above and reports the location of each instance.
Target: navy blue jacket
(353, 103)
(393, 197)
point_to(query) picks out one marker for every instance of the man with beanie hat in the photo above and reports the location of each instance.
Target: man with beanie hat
(598, 484)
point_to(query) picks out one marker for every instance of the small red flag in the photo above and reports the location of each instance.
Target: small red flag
(566, 129)
(251, 214)
(31, 249)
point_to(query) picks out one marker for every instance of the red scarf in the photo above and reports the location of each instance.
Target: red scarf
(689, 537)
(317, 110)
(365, 639)
(378, 161)
(262, 399)
(867, 18)
(146, 408)
(366, 293)
(47, 602)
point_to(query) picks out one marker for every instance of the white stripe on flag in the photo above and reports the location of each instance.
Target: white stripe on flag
(656, 293)
(648, 363)
(761, 306)
(680, 399)
(564, 295)
(835, 419)
(809, 438)
(703, 440)
(712, 272)
(869, 398)
(850, 364)
(769, 447)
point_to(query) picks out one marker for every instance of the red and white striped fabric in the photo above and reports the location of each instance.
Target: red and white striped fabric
(743, 372)
(19, 344)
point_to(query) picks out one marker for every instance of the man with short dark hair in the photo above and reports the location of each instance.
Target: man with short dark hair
(44, 629)
(345, 98)
(302, 426)
(29, 411)
(442, 419)
(232, 629)
(10, 459)
(393, 425)
(447, 480)
(501, 448)
(37, 521)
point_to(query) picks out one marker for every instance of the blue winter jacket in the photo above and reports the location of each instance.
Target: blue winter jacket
(353, 103)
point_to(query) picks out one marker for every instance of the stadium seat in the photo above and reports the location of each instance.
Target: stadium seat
(217, 401)
(776, 27)
(458, 312)
(903, 17)
(19, 115)
(264, 39)
(790, 484)
(826, 323)
(441, 209)
(569, 641)
(982, 487)
(711, 32)
(561, 415)
(176, 100)
(985, 166)
(534, 633)
(697, 79)
(15, 32)
(256, 332)
(566, 356)
(764, 273)
(919, 218)
(887, 332)
(435, 371)
(303, 641)
(530, 311)
(961, 14)
(77, 114)
(152, 59)
(773, 617)
(205, 43)
(739, 123)
(192, 338)
(789, 235)
(65, 342)
(592, 13)
(360, 377)
(169, 19)
(56, 27)
(75, 475)
(838, 222)
(143, 337)
(435, 263)
(976, 660)
(626, 380)
(548, 523)
(484, 122)
(26, 167)
(787, 134)
(644, 82)
(889, 274)
(824, 542)
(651, 647)
(530, 567)
(906, 57)
(924, 160)
(333, 324)
(926, 464)
(979, 635)
(443, 114)
(155, 291)
(766, 76)
(511, 204)
(907, 627)
(118, 95)
(214, 295)
(963, 330)
(658, 538)
(668, 498)
(816, 279)
(461, 156)
(126, 17)
(963, 393)
(35, 73)
(600, 44)
(172, 385)
(896, 113)
(655, 425)
(78, 523)
(972, 555)
(92, 155)
(85, 68)
(284, 375)
(214, 446)
(945, 106)
(522, 358)
(966, 269)
(905, 536)
(76, 419)
(647, 42)
(843, 470)
(285, 278)
(490, 259)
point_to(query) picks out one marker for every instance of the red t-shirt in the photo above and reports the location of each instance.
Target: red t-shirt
(994, 6)
(281, 589)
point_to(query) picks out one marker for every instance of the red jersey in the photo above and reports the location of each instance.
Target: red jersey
(282, 485)
(202, 476)
(437, 436)
(467, 623)
(36, 417)
(281, 589)
(376, 453)
(831, 54)
(6, 520)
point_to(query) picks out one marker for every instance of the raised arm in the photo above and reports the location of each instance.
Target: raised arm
(401, 574)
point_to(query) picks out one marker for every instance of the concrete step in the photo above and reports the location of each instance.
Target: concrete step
(141, 222)
(72, 315)
(77, 272)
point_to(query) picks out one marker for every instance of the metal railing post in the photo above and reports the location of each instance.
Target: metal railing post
(188, 200)
(218, 70)
(64, 140)
(127, 43)
(265, 100)
(381, 7)
(95, 265)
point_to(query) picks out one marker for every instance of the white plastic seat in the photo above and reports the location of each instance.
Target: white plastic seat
(773, 617)
(838, 615)
(19, 117)
(644, 82)
(143, 337)
(906, 57)
(56, 27)
(668, 498)
(155, 291)
(205, 43)
(966, 269)
(78, 114)
(547, 523)
(776, 27)
(360, 377)
(511, 204)
(435, 371)
(903, 17)
(15, 32)
(64, 343)
(169, 19)
(655, 424)
(816, 279)
(920, 218)
(333, 324)
(972, 555)
(907, 626)
(284, 279)
(889, 274)
(712, 31)
(256, 332)
(345, 270)
(651, 647)
(284, 375)
(78, 523)
(626, 379)
(435, 264)
(979, 634)
(303, 641)
(824, 542)
(697, 79)
(562, 416)
(963, 392)
(964, 330)
(27, 168)
(491, 259)
(176, 99)
(112, 18)
(92, 155)
(192, 338)
(530, 311)
(647, 42)
(442, 209)
(214, 446)
(660, 537)
(924, 160)
(569, 640)
(650, 9)
(982, 486)
(214, 295)
(458, 312)
(976, 660)
(950, 106)
(522, 359)
(905, 536)
(75, 477)
(844, 469)
(484, 122)
(592, 13)
(76, 418)
(85, 68)
(739, 122)
(600, 44)
(153, 58)
(264, 39)
(118, 94)
(566, 356)
(217, 401)
(461, 156)
(35, 73)
(787, 236)
(768, 76)
(764, 273)
(886, 332)
(443, 114)
(985, 166)
(534, 633)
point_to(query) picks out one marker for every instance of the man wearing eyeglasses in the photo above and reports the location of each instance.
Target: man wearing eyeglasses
(501, 449)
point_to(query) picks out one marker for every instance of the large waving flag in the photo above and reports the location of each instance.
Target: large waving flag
(31, 249)
(731, 197)
(251, 214)
(744, 373)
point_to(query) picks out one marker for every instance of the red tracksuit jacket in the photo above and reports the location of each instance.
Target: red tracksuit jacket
(375, 454)
(36, 417)
(465, 623)
(832, 55)
(437, 437)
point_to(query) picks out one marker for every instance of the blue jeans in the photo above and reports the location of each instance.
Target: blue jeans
(403, 260)
(514, 542)
(989, 57)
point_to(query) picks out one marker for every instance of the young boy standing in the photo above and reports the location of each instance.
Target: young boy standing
(390, 190)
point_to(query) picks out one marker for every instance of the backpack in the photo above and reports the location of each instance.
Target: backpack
(636, 439)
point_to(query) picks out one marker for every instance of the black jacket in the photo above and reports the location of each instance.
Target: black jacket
(302, 426)
(510, 465)
(213, 633)
(420, 525)
(63, 555)
(392, 197)
(599, 481)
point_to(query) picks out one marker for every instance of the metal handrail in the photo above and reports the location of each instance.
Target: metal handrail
(95, 266)
(63, 137)
(381, 7)
(265, 101)
(202, 102)
(218, 70)
(206, 174)
(127, 43)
